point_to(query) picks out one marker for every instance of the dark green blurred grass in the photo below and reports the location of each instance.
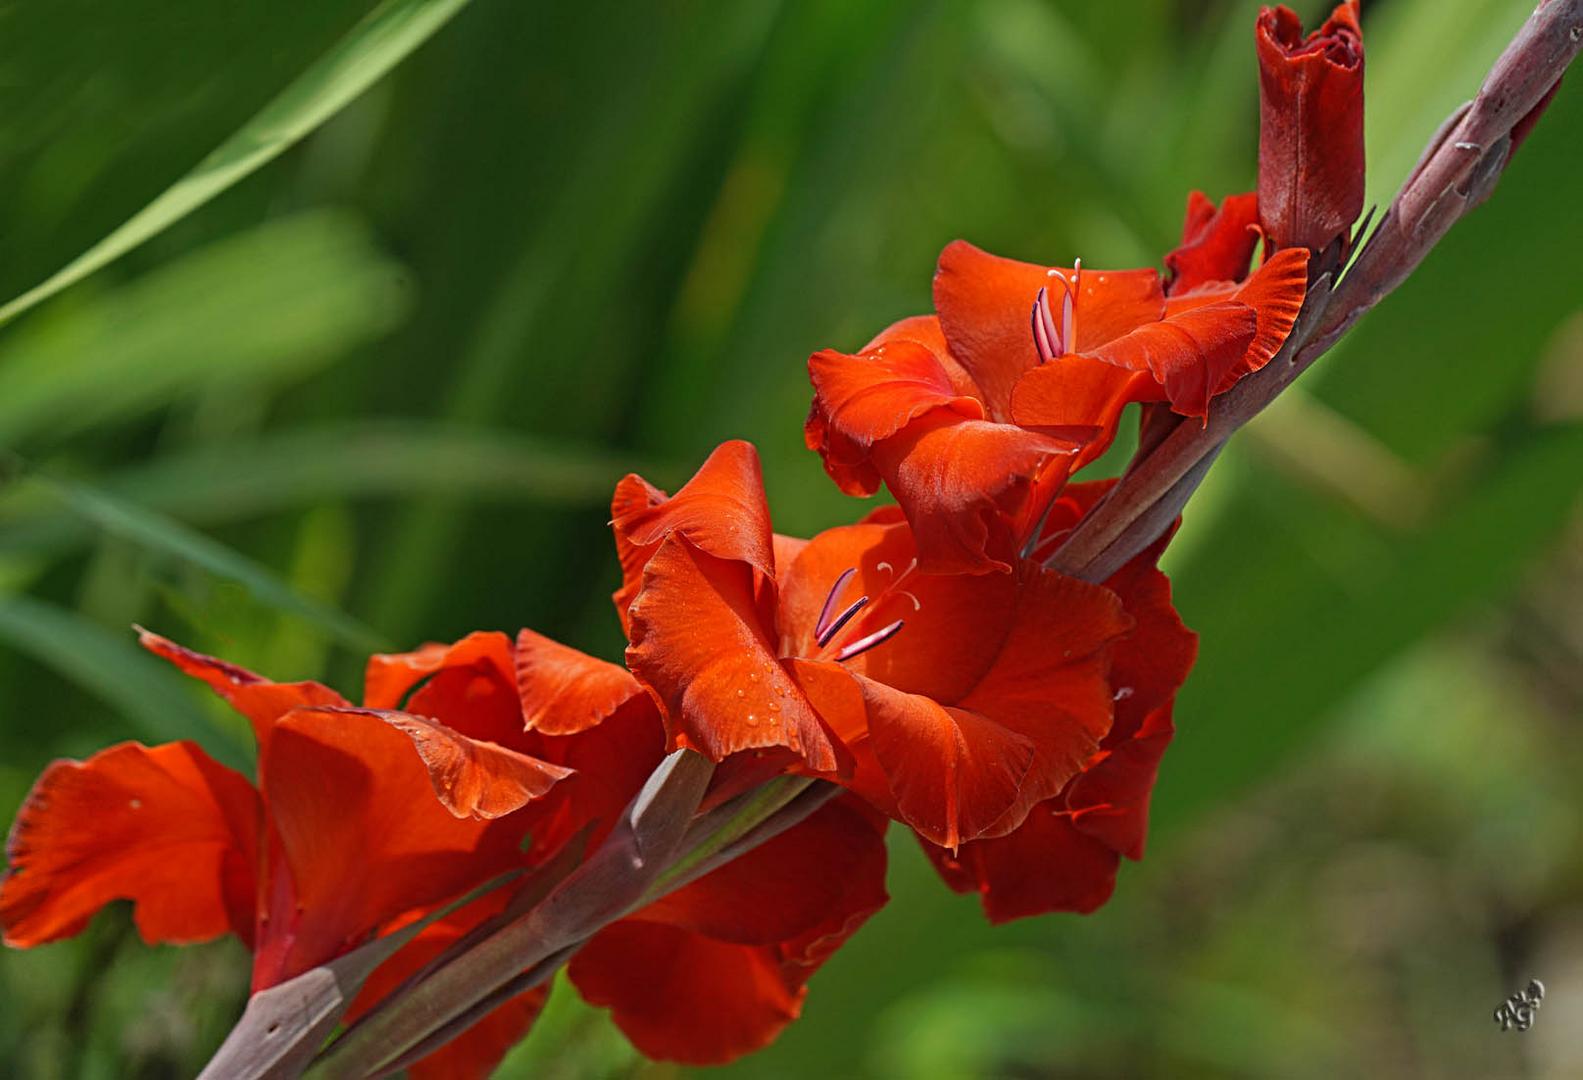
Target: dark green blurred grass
(400, 368)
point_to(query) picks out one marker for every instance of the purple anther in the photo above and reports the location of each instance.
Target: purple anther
(841, 620)
(864, 644)
(1045, 337)
(829, 603)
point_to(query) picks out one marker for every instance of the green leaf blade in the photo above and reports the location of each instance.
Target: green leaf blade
(377, 44)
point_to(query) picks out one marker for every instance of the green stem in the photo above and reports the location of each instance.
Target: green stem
(741, 817)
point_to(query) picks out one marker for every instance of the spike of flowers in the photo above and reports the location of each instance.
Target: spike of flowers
(1016, 728)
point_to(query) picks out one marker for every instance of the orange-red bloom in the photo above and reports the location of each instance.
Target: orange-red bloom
(711, 972)
(1064, 857)
(1310, 126)
(341, 838)
(951, 702)
(341, 835)
(976, 417)
(368, 818)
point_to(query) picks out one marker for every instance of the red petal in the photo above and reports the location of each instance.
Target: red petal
(1065, 394)
(699, 643)
(472, 778)
(1217, 243)
(565, 691)
(633, 496)
(610, 762)
(838, 699)
(864, 399)
(255, 697)
(904, 412)
(967, 485)
(846, 464)
(362, 837)
(476, 1052)
(1188, 353)
(1046, 865)
(984, 303)
(390, 676)
(873, 395)
(787, 548)
(682, 995)
(1275, 293)
(470, 686)
(925, 330)
(846, 458)
(953, 772)
(387, 677)
(788, 888)
(165, 827)
(1065, 855)
(1151, 663)
(1110, 800)
(1310, 127)
(721, 511)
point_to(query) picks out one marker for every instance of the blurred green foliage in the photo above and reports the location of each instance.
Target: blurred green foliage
(378, 391)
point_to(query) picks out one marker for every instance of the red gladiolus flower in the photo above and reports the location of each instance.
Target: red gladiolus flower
(974, 419)
(953, 703)
(1310, 127)
(1064, 857)
(367, 818)
(189, 840)
(342, 837)
(708, 973)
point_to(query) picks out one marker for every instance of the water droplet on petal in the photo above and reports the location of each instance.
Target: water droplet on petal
(744, 693)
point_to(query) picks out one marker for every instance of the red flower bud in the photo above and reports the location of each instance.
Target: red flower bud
(1310, 126)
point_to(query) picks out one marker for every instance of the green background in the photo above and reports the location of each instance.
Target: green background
(378, 391)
